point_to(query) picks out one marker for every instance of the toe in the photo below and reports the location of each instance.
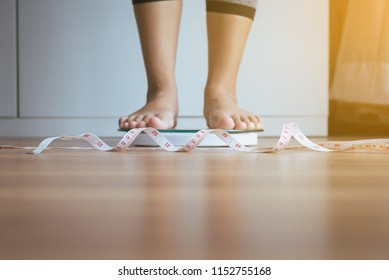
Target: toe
(259, 123)
(253, 120)
(147, 118)
(226, 123)
(157, 123)
(256, 121)
(131, 117)
(123, 124)
(138, 118)
(141, 124)
(247, 121)
(121, 121)
(220, 121)
(132, 124)
(239, 124)
(251, 125)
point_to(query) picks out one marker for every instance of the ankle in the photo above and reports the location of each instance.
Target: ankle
(161, 85)
(216, 92)
(169, 90)
(219, 87)
(224, 83)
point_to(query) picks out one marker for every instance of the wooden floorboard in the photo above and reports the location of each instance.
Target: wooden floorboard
(218, 204)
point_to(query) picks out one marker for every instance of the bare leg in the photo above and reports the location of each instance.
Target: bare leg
(158, 25)
(227, 35)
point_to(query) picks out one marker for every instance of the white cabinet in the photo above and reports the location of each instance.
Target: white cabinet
(8, 94)
(81, 62)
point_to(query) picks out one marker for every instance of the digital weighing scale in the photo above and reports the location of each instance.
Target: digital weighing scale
(181, 137)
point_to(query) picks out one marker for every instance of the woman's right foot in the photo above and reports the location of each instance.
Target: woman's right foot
(221, 111)
(160, 112)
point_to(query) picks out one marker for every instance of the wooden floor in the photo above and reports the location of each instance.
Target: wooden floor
(151, 204)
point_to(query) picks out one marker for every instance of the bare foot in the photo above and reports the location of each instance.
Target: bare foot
(160, 112)
(221, 111)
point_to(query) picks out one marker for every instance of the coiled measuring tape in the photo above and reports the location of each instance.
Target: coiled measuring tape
(289, 131)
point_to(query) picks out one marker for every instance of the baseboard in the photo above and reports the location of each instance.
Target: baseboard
(106, 127)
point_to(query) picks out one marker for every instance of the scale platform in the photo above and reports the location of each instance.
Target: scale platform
(181, 137)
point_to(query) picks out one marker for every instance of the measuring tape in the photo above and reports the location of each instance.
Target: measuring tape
(289, 131)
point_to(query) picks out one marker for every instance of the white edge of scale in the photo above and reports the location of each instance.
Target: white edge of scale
(181, 139)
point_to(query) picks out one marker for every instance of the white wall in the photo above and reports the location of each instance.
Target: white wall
(8, 107)
(285, 70)
(81, 66)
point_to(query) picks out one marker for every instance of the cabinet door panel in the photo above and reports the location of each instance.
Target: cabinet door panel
(79, 58)
(285, 66)
(8, 95)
